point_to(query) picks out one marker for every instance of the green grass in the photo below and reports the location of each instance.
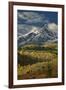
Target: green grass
(37, 61)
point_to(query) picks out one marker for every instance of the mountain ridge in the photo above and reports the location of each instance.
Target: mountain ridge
(38, 36)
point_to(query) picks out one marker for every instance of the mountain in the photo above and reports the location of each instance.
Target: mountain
(38, 36)
(24, 39)
(45, 35)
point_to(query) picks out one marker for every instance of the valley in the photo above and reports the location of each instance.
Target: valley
(37, 61)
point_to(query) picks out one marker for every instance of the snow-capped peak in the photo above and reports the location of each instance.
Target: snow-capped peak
(34, 30)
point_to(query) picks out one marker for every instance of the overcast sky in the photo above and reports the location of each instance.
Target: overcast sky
(26, 19)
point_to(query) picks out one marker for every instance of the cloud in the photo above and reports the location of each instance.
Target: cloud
(23, 28)
(53, 26)
(28, 15)
(31, 17)
(29, 20)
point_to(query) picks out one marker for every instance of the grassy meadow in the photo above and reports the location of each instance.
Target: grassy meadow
(37, 61)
